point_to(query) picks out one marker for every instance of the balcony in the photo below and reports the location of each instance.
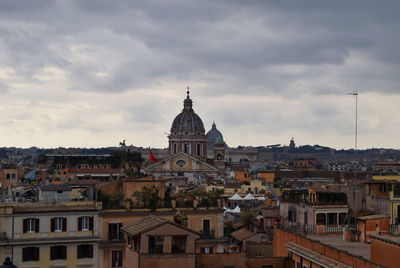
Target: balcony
(116, 236)
(209, 234)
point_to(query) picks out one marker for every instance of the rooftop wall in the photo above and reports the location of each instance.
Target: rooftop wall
(282, 238)
(385, 252)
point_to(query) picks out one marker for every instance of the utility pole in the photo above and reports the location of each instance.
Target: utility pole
(355, 166)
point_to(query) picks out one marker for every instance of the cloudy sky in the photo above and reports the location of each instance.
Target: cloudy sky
(91, 73)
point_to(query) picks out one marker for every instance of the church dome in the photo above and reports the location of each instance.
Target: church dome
(187, 122)
(213, 135)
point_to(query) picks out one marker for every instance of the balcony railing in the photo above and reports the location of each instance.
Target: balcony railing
(116, 237)
(300, 229)
(313, 229)
(394, 229)
(208, 234)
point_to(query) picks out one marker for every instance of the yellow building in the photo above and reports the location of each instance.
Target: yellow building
(49, 235)
(386, 178)
(256, 186)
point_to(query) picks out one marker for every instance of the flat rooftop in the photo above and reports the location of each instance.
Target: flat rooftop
(388, 239)
(336, 241)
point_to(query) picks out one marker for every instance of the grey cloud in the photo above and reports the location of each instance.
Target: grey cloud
(293, 49)
(223, 38)
(3, 87)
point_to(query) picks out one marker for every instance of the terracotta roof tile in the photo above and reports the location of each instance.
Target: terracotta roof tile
(242, 234)
(270, 213)
(144, 224)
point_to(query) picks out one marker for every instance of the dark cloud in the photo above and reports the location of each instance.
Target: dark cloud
(290, 49)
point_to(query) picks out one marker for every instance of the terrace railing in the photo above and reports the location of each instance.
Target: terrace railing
(394, 229)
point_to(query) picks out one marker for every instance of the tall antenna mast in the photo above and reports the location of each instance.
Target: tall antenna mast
(355, 166)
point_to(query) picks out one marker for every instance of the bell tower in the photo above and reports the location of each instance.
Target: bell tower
(219, 155)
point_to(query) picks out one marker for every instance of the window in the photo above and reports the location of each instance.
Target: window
(198, 149)
(174, 148)
(85, 223)
(156, 244)
(30, 254)
(136, 243)
(206, 250)
(219, 156)
(382, 187)
(292, 215)
(116, 258)
(84, 251)
(8, 176)
(186, 148)
(206, 227)
(181, 163)
(178, 244)
(31, 225)
(59, 224)
(114, 231)
(58, 253)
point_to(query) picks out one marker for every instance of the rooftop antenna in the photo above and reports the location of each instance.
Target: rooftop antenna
(355, 93)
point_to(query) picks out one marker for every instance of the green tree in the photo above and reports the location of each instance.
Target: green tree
(149, 196)
(247, 217)
(110, 201)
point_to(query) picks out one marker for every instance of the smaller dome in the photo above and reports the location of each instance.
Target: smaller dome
(213, 136)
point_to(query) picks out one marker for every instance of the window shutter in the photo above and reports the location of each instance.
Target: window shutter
(64, 224)
(52, 253)
(113, 258)
(37, 254)
(79, 251)
(52, 224)
(25, 226)
(90, 253)
(91, 223)
(36, 225)
(64, 253)
(79, 223)
(24, 253)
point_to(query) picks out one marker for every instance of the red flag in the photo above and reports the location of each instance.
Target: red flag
(152, 158)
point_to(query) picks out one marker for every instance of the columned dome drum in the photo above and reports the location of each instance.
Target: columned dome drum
(187, 132)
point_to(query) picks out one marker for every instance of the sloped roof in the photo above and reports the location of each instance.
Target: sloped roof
(242, 234)
(144, 224)
(270, 212)
(55, 187)
(149, 223)
(183, 155)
